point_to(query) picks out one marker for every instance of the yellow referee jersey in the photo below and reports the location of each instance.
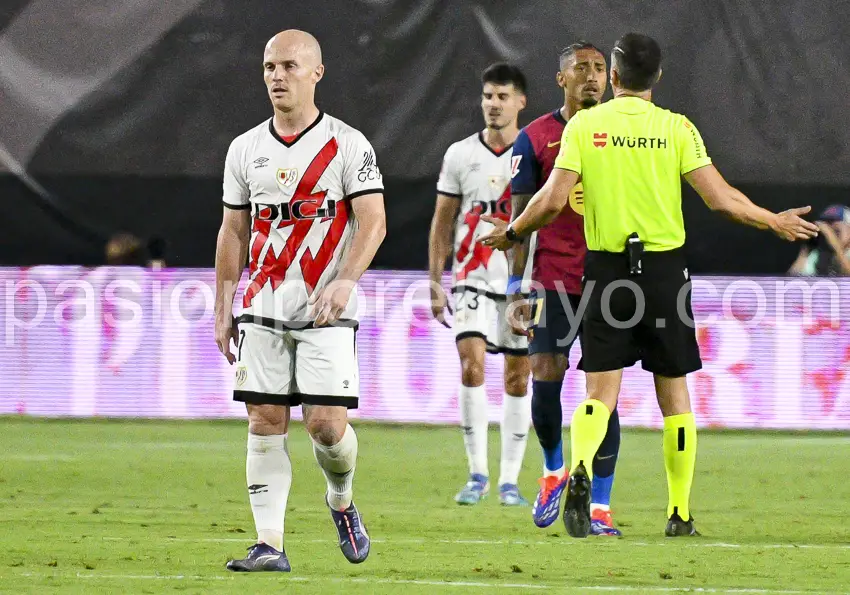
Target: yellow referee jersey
(630, 155)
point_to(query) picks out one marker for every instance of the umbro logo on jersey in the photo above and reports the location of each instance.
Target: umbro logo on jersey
(600, 139)
(287, 177)
(260, 162)
(474, 166)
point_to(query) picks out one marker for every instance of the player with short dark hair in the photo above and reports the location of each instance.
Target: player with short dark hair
(303, 202)
(631, 155)
(558, 265)
(474, 182)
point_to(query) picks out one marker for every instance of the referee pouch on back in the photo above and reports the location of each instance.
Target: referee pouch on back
(634, 251)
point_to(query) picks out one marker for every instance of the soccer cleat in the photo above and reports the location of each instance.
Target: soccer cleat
(353, 539)
(509, 495)
(577, 507)
(261, 558)
(474, 491)
(676, 527)
(601, 523)
(547, 505)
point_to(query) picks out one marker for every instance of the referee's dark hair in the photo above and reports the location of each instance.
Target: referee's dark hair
(570, 51)
(502, 73)
(637, 59)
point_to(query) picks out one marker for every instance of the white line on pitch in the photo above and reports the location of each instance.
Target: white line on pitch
(437, 583)
(677, 544)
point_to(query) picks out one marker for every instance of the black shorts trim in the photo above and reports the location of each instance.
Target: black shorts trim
(449, 194)
(496, 297)
(507, 350)
(294, 399)
(470, 335)
(236, 207)
(294, 325)
(364, 193)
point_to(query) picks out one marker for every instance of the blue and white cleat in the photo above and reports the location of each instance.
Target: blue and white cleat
(547, 505)
(261, 558)
(474, 491)
(602, 523)
(509, 495)
(353, 539)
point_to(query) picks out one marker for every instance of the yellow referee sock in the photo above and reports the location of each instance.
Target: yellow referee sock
(590, 422)
(680, 453)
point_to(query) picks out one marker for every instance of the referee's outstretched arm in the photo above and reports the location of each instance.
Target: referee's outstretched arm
(722, 197)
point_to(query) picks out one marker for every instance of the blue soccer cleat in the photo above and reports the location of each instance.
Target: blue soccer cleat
(261, 558)
(547, 505)
(577, 506)
(509, 495)
(601, 523)
(353, 539)
(474, 491)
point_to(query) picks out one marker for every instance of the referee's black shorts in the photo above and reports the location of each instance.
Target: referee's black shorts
(616, 333)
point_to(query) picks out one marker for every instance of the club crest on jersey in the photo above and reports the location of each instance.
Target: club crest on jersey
(287, 177)
(497, 183)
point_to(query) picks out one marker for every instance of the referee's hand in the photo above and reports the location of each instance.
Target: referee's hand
(790, 226)
(497, 237)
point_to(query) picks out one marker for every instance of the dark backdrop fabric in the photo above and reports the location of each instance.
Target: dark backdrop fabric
(125, 115)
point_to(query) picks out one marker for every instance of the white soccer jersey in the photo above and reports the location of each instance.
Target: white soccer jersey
(481, 180)
(299, 194)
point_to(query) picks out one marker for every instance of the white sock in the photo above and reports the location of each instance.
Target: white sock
(269, 474)
(559, 473)
(337, 463)
(516, 419)
(473, 418)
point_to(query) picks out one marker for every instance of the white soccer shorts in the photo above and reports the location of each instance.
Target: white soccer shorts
(313, 366)
(482, 314)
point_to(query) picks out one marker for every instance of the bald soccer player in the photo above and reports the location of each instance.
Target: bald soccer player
(303, 200)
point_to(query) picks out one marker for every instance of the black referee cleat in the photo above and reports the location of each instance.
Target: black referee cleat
(577, 507)
(676, 527)
(261, 558)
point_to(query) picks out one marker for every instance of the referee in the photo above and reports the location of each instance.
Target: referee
(630, 155)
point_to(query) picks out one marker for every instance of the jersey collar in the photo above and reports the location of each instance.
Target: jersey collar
(631, 105)
(559, 116)
(300, 134)
(489, 148)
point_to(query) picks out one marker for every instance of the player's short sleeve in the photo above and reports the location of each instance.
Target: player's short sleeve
(449, 181)
(692, 153)
(569, 155)
(361, 175)
(525, 169)
(235, 191)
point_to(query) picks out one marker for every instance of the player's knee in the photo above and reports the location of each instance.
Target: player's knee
(471, 371)
(325, 431)
(516, 382)
(548, 367)
(267, 420)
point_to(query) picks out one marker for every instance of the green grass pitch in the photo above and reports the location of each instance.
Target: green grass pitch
(150, 507)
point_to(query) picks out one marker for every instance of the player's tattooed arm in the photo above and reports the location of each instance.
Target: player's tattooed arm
(230, 257)
(439, 249)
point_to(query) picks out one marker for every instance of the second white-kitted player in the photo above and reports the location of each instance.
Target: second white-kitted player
(475, 181)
